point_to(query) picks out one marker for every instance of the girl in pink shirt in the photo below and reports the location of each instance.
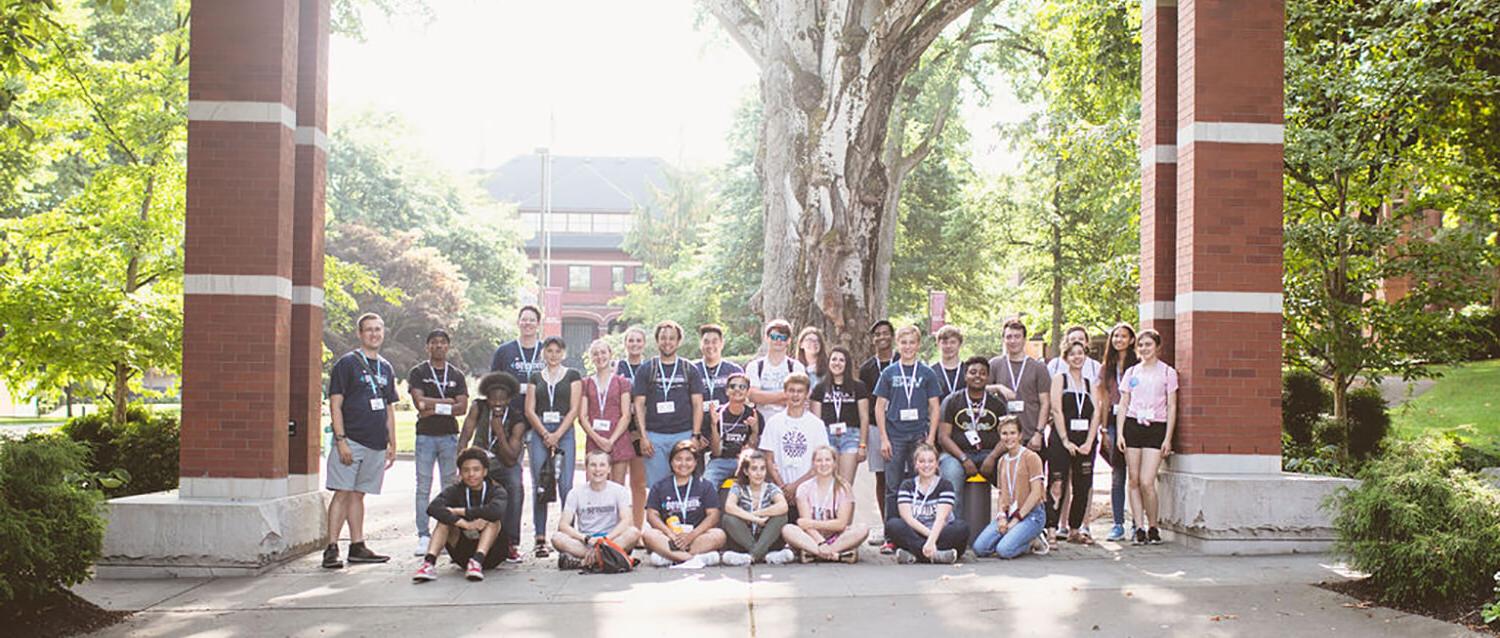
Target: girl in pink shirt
(1148, 394)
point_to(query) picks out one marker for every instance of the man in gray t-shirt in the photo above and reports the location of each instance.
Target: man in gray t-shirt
(1023, 382)
(597, 509)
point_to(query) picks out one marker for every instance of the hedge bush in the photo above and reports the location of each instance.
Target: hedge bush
(1303, 401)
(1426, 530)
(1369, 421)
(145, 447)
(51, 525)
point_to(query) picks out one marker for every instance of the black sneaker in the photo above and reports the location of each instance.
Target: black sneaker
(361, 554)
(567, 562)
(1140, 537)
(1154, 536)
(331, 558)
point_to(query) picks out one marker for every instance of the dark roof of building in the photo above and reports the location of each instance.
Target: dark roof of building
(579, 184)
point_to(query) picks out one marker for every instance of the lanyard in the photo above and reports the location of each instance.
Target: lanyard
(483, 494)
(1015, 379)
(724, 427)
(957, 372)
(552, 390)
(828, 504)
(911, 384)
(503, 416)
(1079, 398)
(602, 390)
(836, 392)
(371, 380)
(976, 410)
(682, 500)
(1010, 479)
(630, 369)
(916, 488)
(708, 378)
(443, 386)
(664, 380)
(529, 361)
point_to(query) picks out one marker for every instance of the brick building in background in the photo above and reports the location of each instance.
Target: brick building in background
(594, 200)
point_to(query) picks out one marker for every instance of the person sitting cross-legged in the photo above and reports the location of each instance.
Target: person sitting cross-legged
(468, 513)
(597, 509)
(683, 515)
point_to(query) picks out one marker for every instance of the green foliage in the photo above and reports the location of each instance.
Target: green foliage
(51, 528)
(1491, 611)
(144, 450)
(1369, 422)
(1425, 530)
(1303, 401)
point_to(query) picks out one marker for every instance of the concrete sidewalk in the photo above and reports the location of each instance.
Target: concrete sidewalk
(1104, 590)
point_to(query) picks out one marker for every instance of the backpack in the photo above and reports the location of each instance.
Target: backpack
(606, 557)
(546, 478)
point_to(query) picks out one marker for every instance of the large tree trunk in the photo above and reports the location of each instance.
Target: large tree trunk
(830, 74)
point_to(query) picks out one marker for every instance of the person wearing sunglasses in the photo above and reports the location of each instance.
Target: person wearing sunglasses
(734, 426)
(768, 373)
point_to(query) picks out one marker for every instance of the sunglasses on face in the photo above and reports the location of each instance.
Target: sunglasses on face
(738, 386)
(778, 336)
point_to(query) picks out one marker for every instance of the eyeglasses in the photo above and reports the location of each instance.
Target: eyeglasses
(779, 336)
(738, 386)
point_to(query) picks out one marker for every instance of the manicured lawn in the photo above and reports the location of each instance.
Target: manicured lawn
(1465, 398)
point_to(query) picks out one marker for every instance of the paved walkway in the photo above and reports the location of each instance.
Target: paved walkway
(1105, 590)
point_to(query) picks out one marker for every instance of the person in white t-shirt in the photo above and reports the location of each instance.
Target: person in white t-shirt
(791, 436)
(768, 375)
(597, 509)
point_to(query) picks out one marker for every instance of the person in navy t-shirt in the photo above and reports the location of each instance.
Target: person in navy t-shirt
(906, 410)
(361, 389)
(521, 356)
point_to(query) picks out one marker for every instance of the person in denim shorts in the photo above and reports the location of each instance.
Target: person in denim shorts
(843, 403)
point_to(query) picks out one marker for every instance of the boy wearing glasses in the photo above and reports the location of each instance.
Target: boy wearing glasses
(768, 374)
(735, 426)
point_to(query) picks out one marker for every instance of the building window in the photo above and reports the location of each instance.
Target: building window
(640, 274)
(579, 278)
(617, 278)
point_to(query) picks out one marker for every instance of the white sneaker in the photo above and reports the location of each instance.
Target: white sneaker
(657, 560)
(945, 556)
(737, 559)
(695, 562)
(1039, 546)
(422, 543)
(709, 559)
(781, 556)
(877, 538)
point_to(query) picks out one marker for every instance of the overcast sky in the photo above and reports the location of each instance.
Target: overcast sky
(489, 79)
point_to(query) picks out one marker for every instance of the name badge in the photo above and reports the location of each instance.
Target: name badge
(377, 404)
(972, 436)
(1016, 406)
(523, 389)
(1114, 408)
(837, 429)
(665, 407)
(683, 528)
(710, 406)
(909, 414)
(445, 409)
(1078, 425)
(552, 417)
(601, 425)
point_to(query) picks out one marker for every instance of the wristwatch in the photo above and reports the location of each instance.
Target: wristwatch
(339, 437)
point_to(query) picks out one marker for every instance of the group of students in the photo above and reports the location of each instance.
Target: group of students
(756, 463)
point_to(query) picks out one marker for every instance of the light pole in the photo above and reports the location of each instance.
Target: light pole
(546, 250)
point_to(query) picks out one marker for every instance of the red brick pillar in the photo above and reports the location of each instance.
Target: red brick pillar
(311, 139)
(1159, 169)
(1229, 244)
(237, 283)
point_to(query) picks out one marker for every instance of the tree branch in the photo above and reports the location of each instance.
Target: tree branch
(913, 42)
(743, 25)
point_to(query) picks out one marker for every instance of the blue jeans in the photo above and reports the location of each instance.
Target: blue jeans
(442, 450)
(718, 470)
(515, 499)
(1017, 539)
(537, 455)
(846, 443)
(952, 469)
(658, 466)
(1116, 476)
(899, 468)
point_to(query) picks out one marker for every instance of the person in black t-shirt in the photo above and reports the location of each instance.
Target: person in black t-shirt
(843, 403)
(468, 513)
(500, 431)
(968, 430)
(882, 336)
(552, 407)
(440, 394)
(735, 426)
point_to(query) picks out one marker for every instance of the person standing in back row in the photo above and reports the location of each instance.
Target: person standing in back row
(715, 372)
(440, 394)
(668, 396)
(1059, 490)
(1148, 396)
(552, 406)
(521, 356)
(768, 373)
(906, 411)
(361, 389)
(882, 335)
(629, 367)
(1023, 382)
(948, 367)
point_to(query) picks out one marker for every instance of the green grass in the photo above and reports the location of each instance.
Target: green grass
(29, 421)
(1465, 399)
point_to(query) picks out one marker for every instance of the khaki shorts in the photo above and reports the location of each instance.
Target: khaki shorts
(365, 474)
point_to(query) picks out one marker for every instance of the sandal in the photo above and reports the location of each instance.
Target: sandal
(541, 549)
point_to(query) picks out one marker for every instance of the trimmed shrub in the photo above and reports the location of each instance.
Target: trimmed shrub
(1427, 531)
(1303, 401)
(51, 524)
(1369, 422)
(145, 448)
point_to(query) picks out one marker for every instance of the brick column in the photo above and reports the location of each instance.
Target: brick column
(307, 246)
(1229, 245)
(1159, 170)
(237, 283)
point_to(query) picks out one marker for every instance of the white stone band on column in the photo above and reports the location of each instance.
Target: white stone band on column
(1159, 154)
(1231, 133)
(1225, 463)
(1208, 301)
(311, 136)
(250, 112)
(242, 285)
(301, 483)
(307, 296)
(1158, 311)
(235, 489)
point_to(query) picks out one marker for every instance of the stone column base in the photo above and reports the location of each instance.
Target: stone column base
(162, 535)
(1281, 513)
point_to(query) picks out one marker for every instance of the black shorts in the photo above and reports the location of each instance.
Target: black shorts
(462, 548)
(1150, 434)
